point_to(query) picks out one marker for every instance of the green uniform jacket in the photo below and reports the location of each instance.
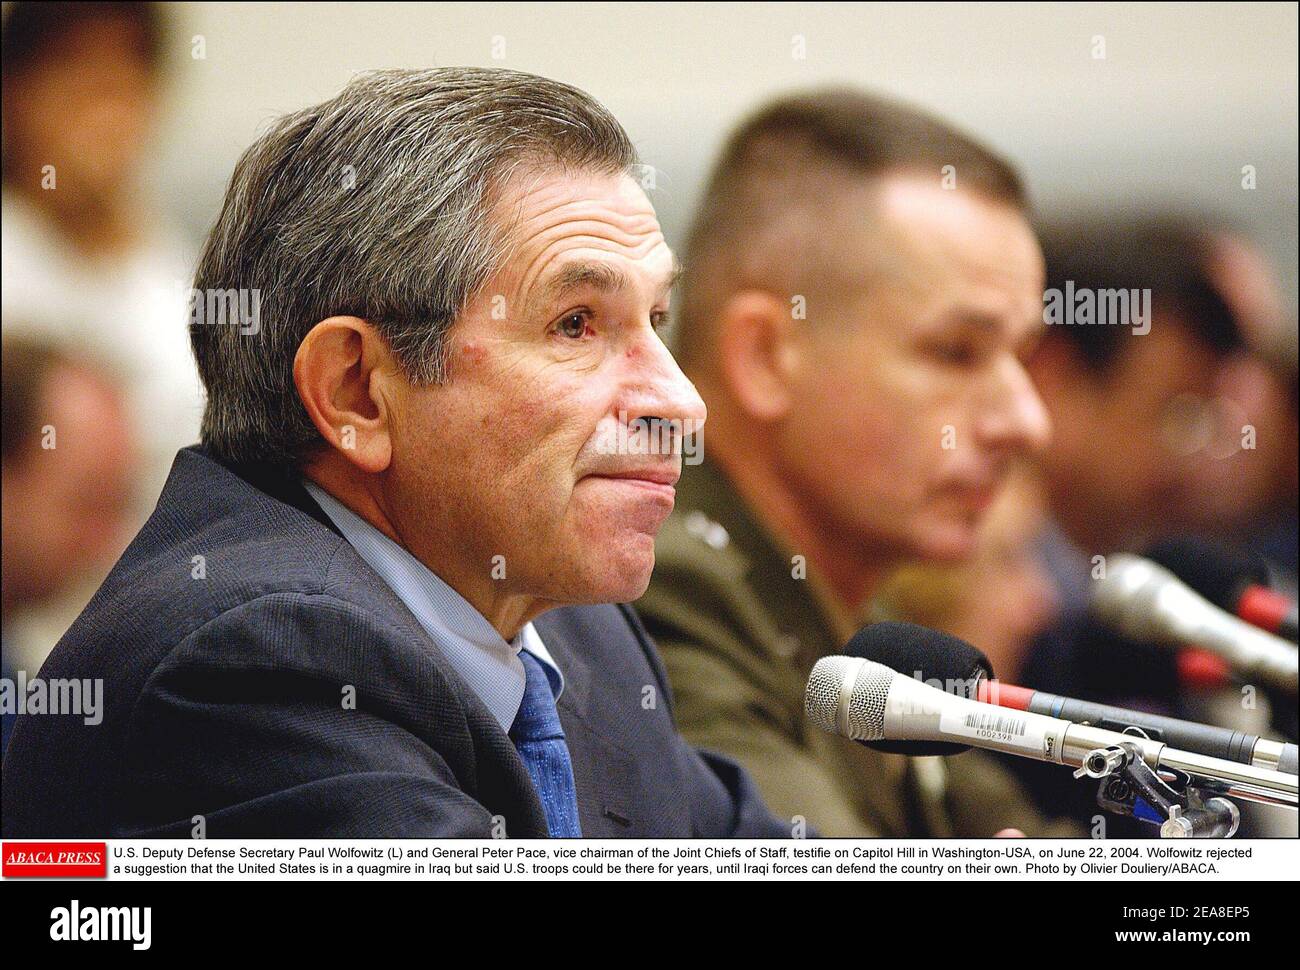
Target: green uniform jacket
(739, 629)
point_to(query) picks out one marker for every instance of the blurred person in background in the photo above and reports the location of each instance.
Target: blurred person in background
(1130, 406)
(1245, 490)
(1245, 487)
(69, 464)
(857, 327)
(1134, 409)
(88, 261)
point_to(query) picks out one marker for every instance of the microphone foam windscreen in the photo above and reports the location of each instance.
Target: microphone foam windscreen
(920, 652)
(937, 658)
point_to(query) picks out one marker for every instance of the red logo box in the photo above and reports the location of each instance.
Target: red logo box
(48, 860)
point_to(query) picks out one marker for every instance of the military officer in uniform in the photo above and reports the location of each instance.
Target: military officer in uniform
(862, 286)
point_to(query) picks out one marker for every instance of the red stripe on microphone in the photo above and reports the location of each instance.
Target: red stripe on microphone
(1005, 695)
(1199, 669)
(1263, 608)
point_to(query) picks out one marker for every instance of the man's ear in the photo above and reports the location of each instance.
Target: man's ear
(759, 351)
(343, 372)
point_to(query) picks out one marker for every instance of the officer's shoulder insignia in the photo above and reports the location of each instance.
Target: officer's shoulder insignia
(706, 530)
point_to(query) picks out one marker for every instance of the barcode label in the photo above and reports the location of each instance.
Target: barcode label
(999, 728)
(996, 724)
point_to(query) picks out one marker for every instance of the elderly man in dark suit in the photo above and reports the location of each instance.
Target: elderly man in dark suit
(367, 605)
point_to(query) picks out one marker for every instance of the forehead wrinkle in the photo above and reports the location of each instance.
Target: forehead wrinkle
(635, 239)
(636, 222)
(595, 274)
(619, 226)
(546, 216)
(536, 267)
(538, 205)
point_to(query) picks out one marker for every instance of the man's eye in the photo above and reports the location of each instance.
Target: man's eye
(659, 320)
(573, 325)
(957, 354)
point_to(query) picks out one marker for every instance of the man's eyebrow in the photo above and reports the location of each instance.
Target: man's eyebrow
(980, 320)
(599, 276)
(673, 276)
(1024, 333)
(968, 318)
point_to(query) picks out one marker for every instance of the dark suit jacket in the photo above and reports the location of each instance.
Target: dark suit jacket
(228, 682)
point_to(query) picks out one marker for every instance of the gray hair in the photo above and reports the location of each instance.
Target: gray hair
(374, 204)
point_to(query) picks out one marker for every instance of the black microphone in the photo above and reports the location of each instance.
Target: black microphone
(930, 656)
(1233, 580)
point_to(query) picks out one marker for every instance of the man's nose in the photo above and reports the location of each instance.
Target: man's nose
(1016, 420)
(659, 391)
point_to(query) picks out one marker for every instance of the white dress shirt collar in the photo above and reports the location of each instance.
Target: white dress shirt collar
(488, 663)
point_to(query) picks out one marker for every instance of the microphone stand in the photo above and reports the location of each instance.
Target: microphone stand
(1129, 786)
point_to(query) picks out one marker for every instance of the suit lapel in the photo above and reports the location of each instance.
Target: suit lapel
(488, 766)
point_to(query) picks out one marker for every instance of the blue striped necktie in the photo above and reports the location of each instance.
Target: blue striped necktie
(539, 739)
